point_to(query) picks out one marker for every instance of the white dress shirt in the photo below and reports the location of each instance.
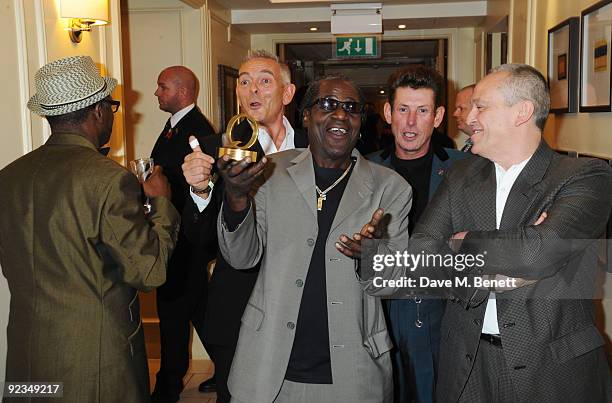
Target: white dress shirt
(268, 146)
(504, 182)
(174, 119)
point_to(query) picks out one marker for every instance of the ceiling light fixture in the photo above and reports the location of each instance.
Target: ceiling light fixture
(313, 29)
(402, 26)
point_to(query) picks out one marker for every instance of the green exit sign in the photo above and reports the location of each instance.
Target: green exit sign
(356, 47)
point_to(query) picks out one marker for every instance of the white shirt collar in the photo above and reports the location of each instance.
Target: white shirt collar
(174, 119)
(513, 168)
(267, 144)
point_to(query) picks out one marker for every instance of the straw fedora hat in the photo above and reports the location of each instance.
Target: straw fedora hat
(67, 85)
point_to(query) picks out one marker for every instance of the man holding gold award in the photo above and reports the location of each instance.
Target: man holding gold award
(309, 333)
(263, 89)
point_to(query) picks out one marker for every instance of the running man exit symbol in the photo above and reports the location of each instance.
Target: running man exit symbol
(356, 47)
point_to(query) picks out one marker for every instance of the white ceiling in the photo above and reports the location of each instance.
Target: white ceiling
(388, 25)
(255, 4)
(263, 17)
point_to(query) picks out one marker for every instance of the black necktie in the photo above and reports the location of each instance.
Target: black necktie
(168, 130)
(468, 146)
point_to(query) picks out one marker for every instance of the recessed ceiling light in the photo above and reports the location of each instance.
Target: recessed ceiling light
(402, 26)
(382, 91)
(314, 29)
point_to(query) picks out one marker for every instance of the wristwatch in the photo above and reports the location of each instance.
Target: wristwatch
(206, 190)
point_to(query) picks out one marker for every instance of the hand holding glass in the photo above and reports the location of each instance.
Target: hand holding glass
(142, 168)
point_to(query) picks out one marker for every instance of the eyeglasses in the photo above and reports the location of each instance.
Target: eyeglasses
(330, 104)
(114, 104)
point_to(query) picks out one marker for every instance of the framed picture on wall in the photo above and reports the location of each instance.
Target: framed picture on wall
(563, 66)
(595, 71)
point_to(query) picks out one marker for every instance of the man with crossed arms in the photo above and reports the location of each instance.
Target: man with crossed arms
(534, 215)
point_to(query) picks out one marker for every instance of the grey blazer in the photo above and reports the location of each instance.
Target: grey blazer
(552, 348)
(281, 231)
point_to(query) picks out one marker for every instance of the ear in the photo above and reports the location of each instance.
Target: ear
(439, 116)
(98, 111)
(288, 93)
(525, 110)
(387, 112)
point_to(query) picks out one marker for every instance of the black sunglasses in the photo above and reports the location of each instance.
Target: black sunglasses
(114, 104)
(330, 104)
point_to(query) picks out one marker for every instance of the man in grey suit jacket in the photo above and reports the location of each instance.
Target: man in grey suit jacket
(309, 333)
(533, 215)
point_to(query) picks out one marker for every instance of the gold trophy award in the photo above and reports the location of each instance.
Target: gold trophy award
(236, 151)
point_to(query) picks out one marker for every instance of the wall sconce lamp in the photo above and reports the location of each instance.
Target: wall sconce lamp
(83, 14)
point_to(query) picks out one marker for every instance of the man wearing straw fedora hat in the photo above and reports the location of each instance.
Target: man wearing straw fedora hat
(75, 246)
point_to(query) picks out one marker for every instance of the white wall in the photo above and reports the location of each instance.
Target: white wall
(159, 34)
(229, 46)
(11, 142)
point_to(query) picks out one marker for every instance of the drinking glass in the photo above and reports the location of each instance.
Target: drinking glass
(142, 168)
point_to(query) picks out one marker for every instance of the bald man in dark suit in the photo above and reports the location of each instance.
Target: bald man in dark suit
(182, 299)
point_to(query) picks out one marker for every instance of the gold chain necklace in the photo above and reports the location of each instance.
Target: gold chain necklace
(322, 194)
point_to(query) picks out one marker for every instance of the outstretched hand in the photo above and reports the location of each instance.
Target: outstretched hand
(351, 247)
(239, 177)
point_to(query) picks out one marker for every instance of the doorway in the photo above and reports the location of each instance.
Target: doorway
(308, 61)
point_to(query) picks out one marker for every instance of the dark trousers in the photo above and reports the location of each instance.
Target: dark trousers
(415, 357)
(222, 357)
(177, 307)
(489, 381)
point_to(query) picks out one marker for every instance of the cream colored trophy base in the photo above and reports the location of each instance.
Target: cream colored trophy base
(237, 154)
